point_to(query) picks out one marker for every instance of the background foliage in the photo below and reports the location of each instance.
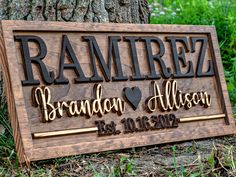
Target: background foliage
(221, 13)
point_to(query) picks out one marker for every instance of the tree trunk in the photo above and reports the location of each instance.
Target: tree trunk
(117, 11)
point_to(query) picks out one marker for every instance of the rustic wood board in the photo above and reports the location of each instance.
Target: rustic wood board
(36, 138)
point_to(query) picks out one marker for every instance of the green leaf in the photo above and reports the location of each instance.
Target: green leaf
(123, 159)
(195, 175)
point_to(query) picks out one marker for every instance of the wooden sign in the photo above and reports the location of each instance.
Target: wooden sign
(77, 88)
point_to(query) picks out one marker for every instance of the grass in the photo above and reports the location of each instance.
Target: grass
(8, 160)
(220, 162)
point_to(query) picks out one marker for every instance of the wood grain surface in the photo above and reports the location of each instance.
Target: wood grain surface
(26, 119)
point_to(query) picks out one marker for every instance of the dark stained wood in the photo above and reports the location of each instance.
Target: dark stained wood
(133, 96)
(26, 117)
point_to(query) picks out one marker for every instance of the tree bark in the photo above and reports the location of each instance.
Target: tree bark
(117, 11)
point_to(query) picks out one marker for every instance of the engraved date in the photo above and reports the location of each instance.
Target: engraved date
(140, 124)
(153, 123)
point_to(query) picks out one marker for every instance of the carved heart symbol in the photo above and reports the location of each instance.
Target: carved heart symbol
(133, 96)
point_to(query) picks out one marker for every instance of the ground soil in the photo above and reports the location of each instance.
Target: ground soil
(178, 159)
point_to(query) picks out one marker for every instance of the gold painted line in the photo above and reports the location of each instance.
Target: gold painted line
(64, 132)
(199, 118)
(94, 129)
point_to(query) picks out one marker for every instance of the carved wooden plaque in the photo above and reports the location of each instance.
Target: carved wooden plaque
(77, 88)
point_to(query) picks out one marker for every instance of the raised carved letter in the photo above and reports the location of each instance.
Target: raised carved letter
(28, 60)
(166, 72)
(67, 48)
(202, 54)
(113, 52)
(180, 57)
